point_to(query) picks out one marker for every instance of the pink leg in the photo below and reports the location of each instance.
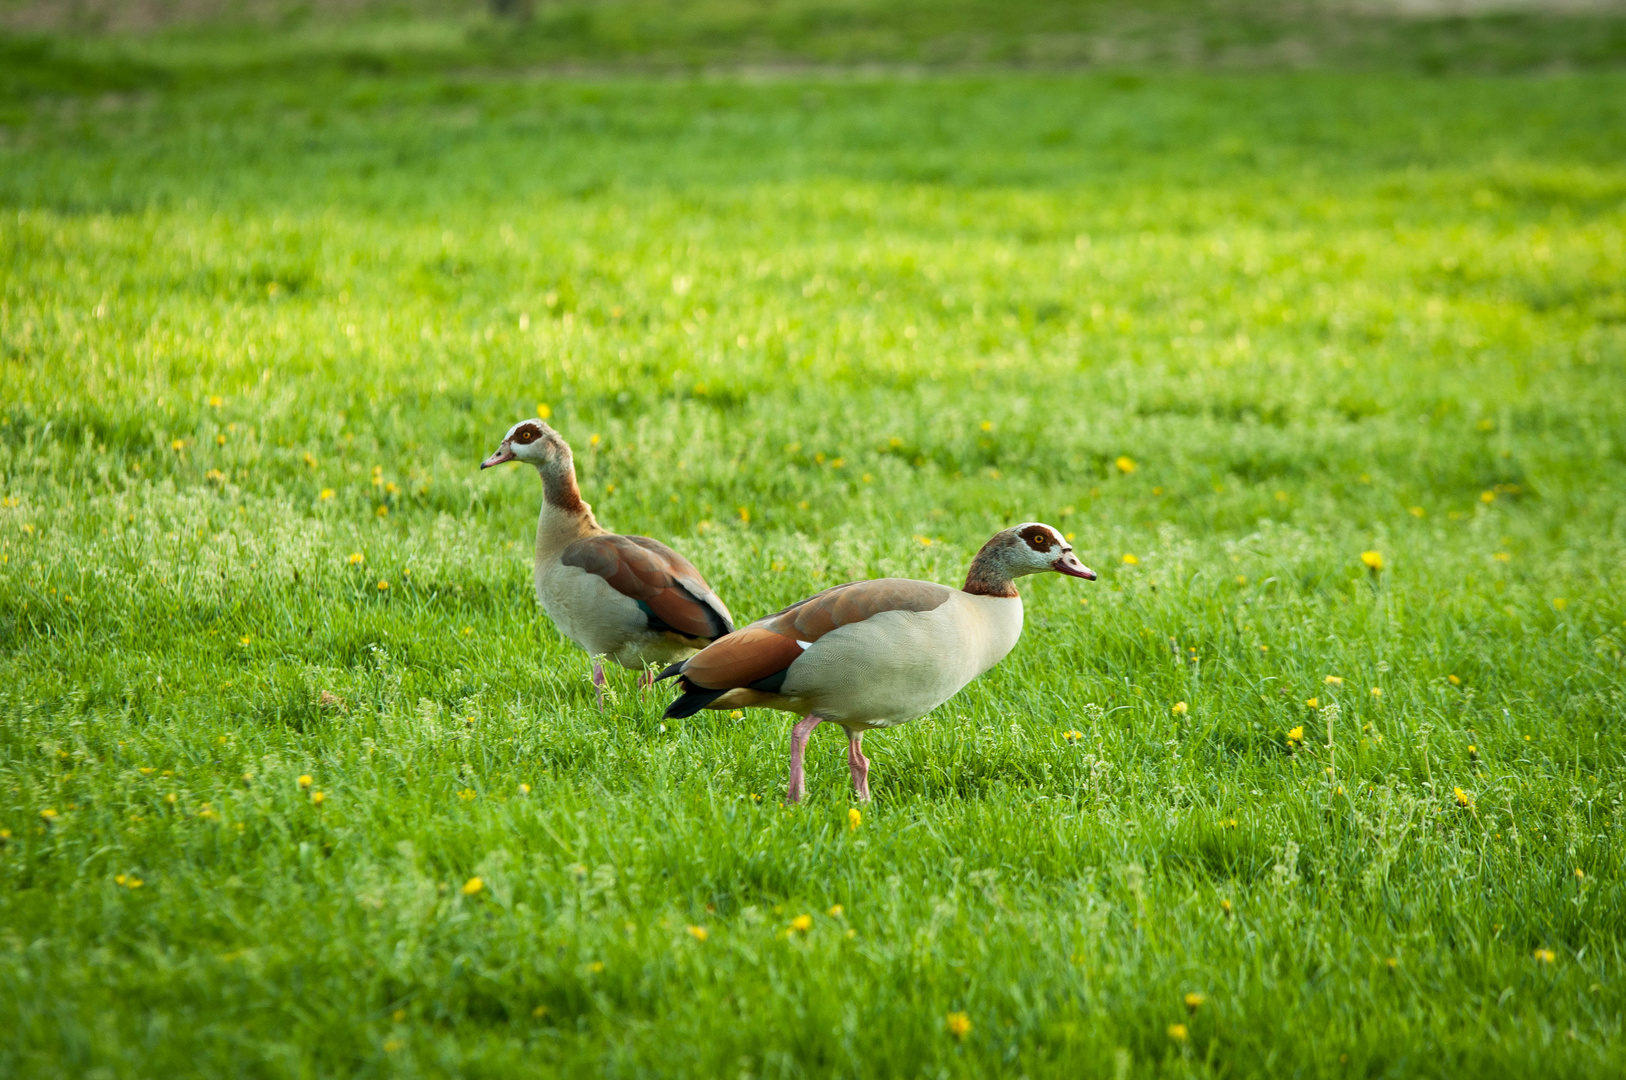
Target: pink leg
(598, 681)
(859, 764)
(798, 746)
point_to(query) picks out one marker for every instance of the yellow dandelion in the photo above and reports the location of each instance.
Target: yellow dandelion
(699, 933)
(1072, 736)
(1391, 963)
(215, 401)
(1178, 1033)
(170, 798)
(1453, 680)
(1461, 797)
(317, 798)
(1502, 556)
(48, 813)
(525, 789)
(467, 794)
(1125, 464)
(118, 879)
(1559, 603)
(383, 586)
(958, 1024)
(1372, 560)
(383, 511)
(178, 444)
(390, 488)
(304, 781)
(1580, 875)
(1296, 735)
(1377, 691)
(327, 493)
(133, 883)
(246, 639)
(1130, 560)
(472, 886)
(735, 714)
(593, 439)
(543, 411)
(836, 910)
(801, 924)
(1487, 496)
(1416, 511)
(854, 818)
(539, 1012)
(596, 967)
(1313, 703)
(357, 558)
(220, 440)
(392, 1045)
(1334, 680)
(1194, 1000)
(1545, 956)
(1225, 906)
(1179, 708)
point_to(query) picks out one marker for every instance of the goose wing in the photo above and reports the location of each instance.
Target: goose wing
(665, 585)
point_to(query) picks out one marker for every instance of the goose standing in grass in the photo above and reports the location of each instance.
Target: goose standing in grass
(873, 654)
(630, 598)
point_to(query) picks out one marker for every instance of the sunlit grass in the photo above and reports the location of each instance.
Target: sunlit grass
(1335, 413)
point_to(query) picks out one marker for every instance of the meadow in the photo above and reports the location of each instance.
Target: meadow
(1324, 372)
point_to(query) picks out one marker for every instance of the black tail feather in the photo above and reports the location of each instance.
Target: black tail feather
(670, 671)
(693, 699)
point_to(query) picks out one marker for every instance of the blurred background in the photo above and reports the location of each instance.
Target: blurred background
(1426, 35)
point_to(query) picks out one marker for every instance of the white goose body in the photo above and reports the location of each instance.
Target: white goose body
(897, 666)
(874, 654)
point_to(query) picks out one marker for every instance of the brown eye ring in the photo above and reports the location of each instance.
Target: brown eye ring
(525, 435)
(1038, 539)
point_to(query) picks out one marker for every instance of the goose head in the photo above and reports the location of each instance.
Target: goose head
(1035, 547)
(1030, 548)
(534, 443)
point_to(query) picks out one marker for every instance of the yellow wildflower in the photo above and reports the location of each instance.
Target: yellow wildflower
(178, 444)
(1453, 680)
(215, 401)
(1545, 956)
(1377, 691)
(1417, 511)
(802, 923)
(699, 933)
(1559, 603)
(1178, 1032)
(357, 558)
(317, 798)
(1461, 797)
(1372, 560)
(48, 814)
(327, 493)
(1130, 560)
(1312, 702)
(1487, 496)
(543, 411)
(383, 586)
(525, 789)
(836, 910)
(472, 886)
(854, 818)
(1125, 464)
(1072, 736)
(1225, 906)
(1178, 708)
(1296, 735)
(1334, 680)
(958, 1024)
(304, 781)
(1194, 1000)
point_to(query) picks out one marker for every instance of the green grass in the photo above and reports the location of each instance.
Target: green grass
(814, 324)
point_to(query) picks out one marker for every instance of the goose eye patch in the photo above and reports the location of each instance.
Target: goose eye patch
(1038, 539)
(525, 435)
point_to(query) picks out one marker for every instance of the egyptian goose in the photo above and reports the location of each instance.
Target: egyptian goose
(874, 654)
(630, 598)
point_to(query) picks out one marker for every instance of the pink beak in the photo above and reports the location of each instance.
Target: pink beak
(504, 453)
(1068, 564)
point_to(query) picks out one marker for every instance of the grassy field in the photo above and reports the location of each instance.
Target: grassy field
(1233, 332)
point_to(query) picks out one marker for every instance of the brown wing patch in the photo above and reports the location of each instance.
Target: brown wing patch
(644, 571)
(818, 615)
(741, 659)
